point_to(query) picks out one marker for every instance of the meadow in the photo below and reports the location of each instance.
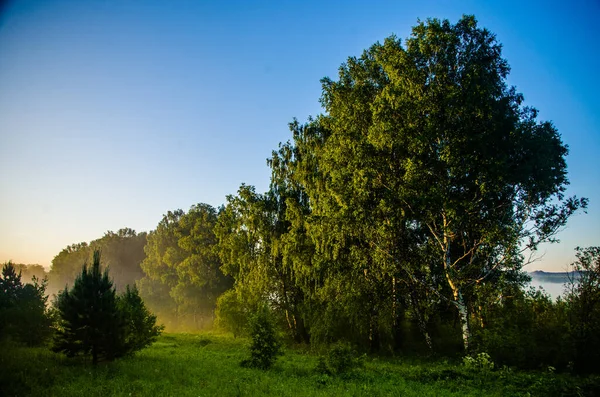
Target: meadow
(208, 364)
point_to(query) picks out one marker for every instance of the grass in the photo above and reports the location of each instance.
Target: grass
(208, 365)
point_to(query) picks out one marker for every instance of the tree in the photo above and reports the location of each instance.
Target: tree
(182, 260)
(122, 251)
(256, 251)
(231, 313)
(67, 265)
(140, 325)
(23, 312)
(426, 169)
(583, 298)
(526, 329)
(160, 275)
(90, 322)
(265, 347)
(28, 272)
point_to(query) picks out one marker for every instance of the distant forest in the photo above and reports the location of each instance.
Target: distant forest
(555, 277)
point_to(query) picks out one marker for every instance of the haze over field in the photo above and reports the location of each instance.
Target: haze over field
(113, 113)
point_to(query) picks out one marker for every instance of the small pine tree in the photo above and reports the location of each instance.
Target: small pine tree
(90, 322)
(140, 325)
(265, 345)
(10, 285)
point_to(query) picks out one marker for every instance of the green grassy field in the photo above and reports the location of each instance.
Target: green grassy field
(208, 365)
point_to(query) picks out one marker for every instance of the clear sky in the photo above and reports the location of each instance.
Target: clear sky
(114, 112)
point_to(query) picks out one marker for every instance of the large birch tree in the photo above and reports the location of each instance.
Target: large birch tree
(425, 148)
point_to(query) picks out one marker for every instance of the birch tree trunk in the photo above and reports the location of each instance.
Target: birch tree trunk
(459, 300)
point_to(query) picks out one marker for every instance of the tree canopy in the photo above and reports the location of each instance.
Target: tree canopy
(123, 253)
(183, 276)
(426, 170)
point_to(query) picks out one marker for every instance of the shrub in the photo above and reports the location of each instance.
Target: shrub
(528, 331)
(480, 362)
(265, 346)
(340, 359)
(583, 298)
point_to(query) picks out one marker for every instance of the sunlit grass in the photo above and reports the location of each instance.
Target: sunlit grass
(208, 365)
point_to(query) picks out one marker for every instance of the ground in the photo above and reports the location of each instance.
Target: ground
(208, 364)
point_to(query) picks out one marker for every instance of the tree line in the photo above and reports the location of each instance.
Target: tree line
(397, 220)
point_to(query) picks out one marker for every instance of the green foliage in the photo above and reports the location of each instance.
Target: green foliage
(23, 313)
(341, 359)
(231, 314)
(265, 346)
(183, 277)
(122, 251)
(526, 330)
(529, 330)
(185, 365)
(425, 178)
(480, 362)
(67, 265)
(140, 325)
(260, 250)
(90, 322)
(583, 298)
(94, 321)
(404, 208)
(28, 272)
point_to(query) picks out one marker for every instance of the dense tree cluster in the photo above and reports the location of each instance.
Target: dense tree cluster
(417, 191)
(183, 276)
(122, 252)
(23, 312)
(28, 272)
(407, 206)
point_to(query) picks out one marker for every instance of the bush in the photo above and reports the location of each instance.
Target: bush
(265, 346)
(527, 331)
(480, 362)
(340, 359)
(583, 298)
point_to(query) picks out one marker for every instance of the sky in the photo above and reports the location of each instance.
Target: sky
(113, 112)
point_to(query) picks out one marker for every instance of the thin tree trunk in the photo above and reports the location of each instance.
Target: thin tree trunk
(301, 331)
(459, 300)
(394, 314)
(463, 313)
(464, 318)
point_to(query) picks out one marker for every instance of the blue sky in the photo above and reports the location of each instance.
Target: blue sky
(114, 112)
